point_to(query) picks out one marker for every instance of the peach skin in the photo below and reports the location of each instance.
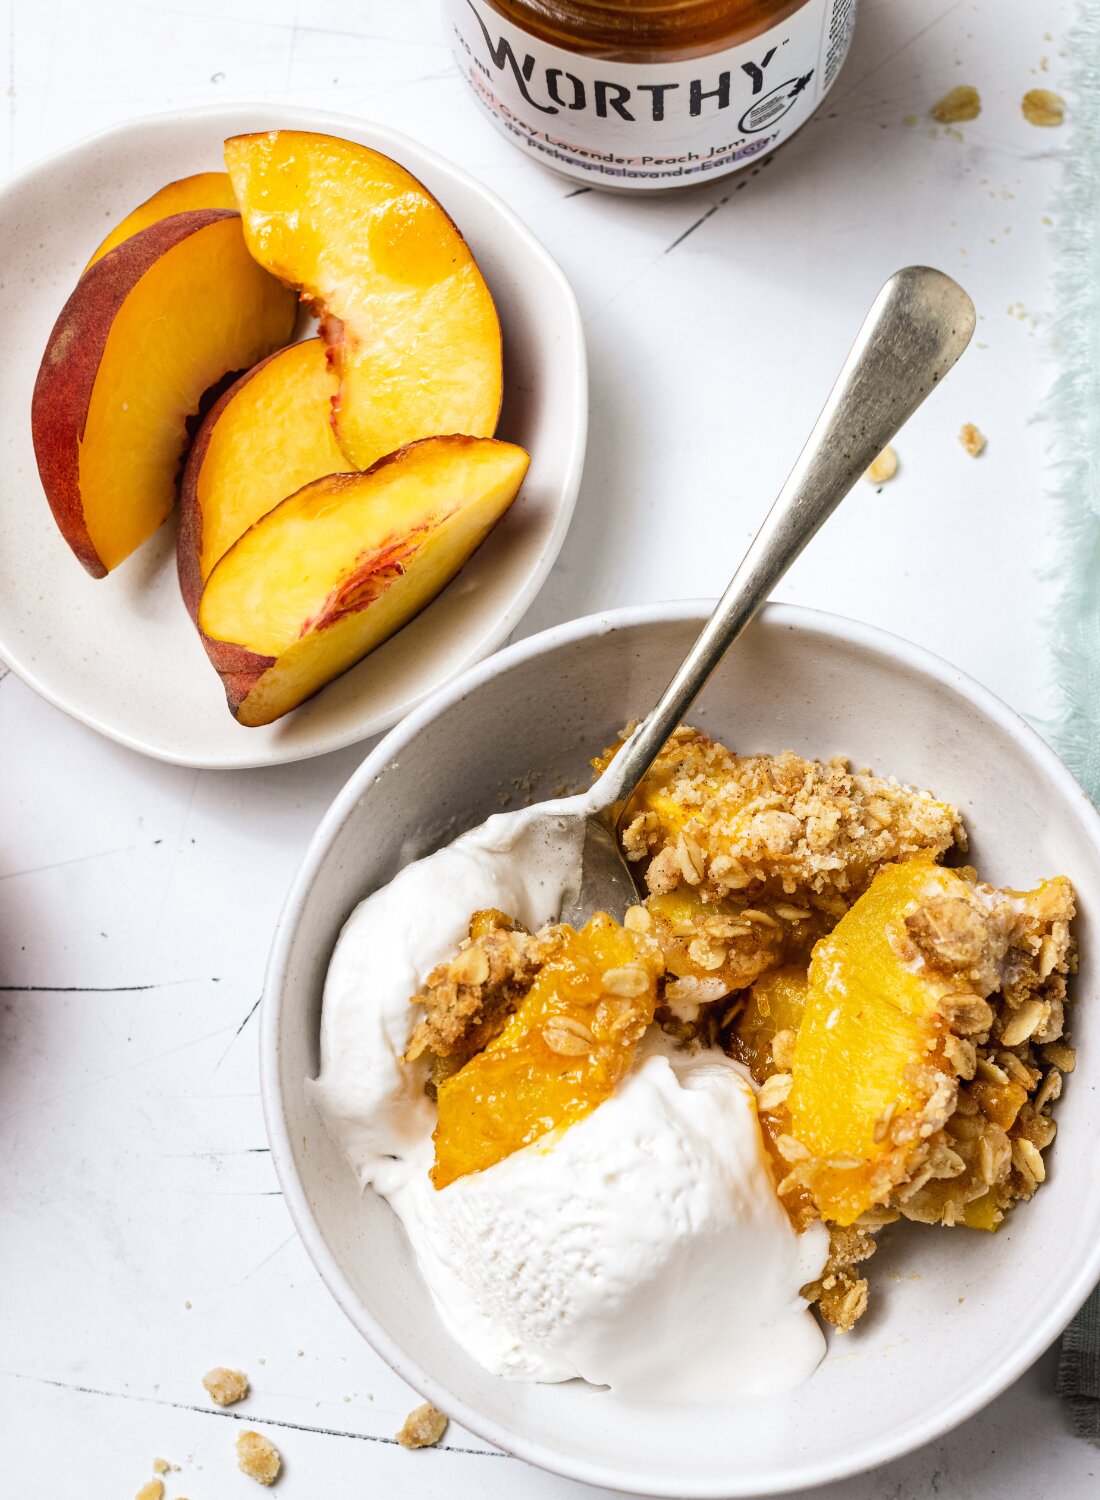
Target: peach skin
(149, 329)
(337, 568)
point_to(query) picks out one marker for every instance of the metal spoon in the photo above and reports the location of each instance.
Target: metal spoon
(917, 327)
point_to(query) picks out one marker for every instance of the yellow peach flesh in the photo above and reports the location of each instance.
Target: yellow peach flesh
(204, 301)
(334, 570)
(419, 345)
(273, 437)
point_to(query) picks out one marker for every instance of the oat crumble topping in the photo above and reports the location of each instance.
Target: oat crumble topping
(793, 837)
(748, 861)
(999, 962)
(468, 999)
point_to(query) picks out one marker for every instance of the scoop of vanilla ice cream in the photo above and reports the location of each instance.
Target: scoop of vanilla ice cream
(642, 1248)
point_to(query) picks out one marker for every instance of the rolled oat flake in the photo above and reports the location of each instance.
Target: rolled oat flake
(644, 95)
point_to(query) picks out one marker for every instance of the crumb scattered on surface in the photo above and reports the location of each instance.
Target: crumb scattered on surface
(258, 1457)
(962, 103)
(154, 1490)
(160, 1466)
(972, 439)
(423, 1427)
(225, 1386)
(884, 467)
(1043, 107)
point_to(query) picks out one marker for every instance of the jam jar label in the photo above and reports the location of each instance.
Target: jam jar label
(655, 125)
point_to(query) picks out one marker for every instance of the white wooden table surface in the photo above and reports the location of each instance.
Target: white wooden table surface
(143, 1236)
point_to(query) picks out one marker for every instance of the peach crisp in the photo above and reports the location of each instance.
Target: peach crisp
(903, 1021)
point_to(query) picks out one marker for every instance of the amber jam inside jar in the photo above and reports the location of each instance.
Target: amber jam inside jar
(646, 31)
(649, 94)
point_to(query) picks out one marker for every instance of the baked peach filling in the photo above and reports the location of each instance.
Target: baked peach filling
(904, 1022)
(563, 1051)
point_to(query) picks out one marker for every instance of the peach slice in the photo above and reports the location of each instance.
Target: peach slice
(148, 330)
(563, 1052)
(203, 190)
(414, 329)
(334, 570)
(264, 439)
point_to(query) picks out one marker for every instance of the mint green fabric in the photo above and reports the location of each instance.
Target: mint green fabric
(1075, 444)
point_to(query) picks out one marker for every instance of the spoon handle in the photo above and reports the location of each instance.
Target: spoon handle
(917, 327)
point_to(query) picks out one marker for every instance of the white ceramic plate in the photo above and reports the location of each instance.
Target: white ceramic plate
(120, 653)
(956, 1316)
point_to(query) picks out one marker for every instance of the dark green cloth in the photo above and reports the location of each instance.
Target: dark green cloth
(1079, 1370)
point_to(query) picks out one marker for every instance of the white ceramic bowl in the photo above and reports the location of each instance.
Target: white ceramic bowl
(956, 1316)
(120, 653)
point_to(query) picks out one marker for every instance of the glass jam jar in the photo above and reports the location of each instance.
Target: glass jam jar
(649, 94)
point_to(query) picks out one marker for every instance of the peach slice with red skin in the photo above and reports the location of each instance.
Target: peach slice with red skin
(265, 438)
(147, 331)
(337, 568)
(203, 190)
(413, 327)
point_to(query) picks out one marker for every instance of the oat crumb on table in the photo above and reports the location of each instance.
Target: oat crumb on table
(225, 1386)
(884, 467)
(962, 103)
(258, 1457)
(160, 1466)
(1043, 107)
(423, 1427)
(154, 1490)
(972, 439)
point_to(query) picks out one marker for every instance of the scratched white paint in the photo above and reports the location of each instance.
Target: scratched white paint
(136, 901)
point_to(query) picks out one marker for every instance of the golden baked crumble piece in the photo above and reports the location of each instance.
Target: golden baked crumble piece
(468, 999)
(840, 1293)
(798, 832)
(912, 1001)
(225, 1386)
(912, 1072)
(153, 1489)
(1009, 1057)
(258, 1457)
(423, 1427)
